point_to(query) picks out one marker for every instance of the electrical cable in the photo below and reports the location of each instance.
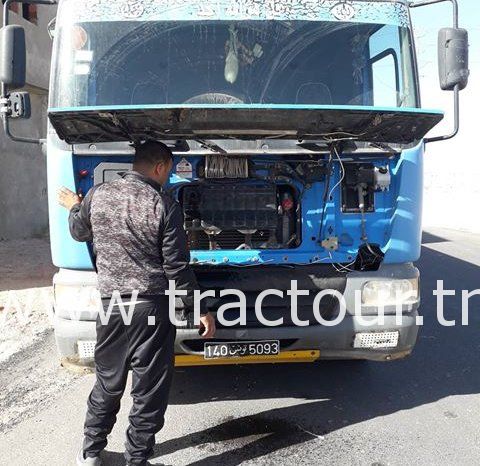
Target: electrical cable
(340, 267)
(325, 195)
(343, 173)
(364, 234)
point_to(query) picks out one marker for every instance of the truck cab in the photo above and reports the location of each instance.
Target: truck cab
(298, 139)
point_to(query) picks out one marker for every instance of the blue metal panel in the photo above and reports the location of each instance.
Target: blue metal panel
(405, 230)
(66, 253)
(395, 225)
(347, 227)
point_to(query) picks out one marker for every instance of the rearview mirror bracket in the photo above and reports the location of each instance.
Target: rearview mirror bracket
(16, 104)
(444, 72)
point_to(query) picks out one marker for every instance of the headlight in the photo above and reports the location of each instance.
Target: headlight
(76, 300)
(380, 293)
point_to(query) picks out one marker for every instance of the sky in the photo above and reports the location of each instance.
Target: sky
(452, 168)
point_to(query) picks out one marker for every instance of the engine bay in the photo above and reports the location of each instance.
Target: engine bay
(319, 207)
(232, 214)
(241, 203)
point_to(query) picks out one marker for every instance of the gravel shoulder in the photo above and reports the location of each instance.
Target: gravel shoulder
(25, 294)
(30, 374)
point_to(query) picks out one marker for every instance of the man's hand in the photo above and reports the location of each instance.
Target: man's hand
(67, 198)
(207, 324)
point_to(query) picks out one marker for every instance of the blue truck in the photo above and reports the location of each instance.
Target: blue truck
(298, 139)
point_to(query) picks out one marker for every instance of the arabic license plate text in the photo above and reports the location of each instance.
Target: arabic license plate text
(241, 349)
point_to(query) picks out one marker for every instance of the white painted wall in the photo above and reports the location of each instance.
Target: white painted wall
(452, 168)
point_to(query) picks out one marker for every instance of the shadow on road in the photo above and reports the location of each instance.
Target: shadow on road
(340, 394)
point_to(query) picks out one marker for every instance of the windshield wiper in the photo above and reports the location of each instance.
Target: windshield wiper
(383, 146)
(179, 145)
(211, 146)
(347, 146)
(123, 128)
(313, 146)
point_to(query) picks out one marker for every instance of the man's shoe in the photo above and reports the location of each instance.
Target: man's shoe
(82, 461)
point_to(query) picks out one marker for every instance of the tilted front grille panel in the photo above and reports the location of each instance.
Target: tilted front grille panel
(255, 279)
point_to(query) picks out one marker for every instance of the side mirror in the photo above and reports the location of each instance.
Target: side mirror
(13, 56)
(453, 58)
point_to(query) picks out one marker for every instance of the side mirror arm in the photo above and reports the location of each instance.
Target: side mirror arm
(456, 90)
(456, 119)
(5, 112)
(454, 3)
(4, 109)
(6, 128)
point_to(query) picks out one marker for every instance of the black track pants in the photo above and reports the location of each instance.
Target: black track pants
(149, 351)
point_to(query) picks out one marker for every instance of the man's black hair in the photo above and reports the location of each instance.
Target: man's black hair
(151, 153)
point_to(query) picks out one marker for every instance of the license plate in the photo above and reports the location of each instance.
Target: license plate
(240, 349)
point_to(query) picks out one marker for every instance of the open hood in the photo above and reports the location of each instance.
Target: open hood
(109, 124)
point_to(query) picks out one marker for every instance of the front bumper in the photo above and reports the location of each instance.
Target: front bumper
(299, 344)
(327, 342)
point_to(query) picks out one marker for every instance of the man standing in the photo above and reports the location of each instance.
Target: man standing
(139, 244)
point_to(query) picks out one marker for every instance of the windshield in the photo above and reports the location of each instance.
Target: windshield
(108, 54)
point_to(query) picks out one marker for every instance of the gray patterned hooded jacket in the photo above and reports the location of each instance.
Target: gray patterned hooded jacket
(139, 242)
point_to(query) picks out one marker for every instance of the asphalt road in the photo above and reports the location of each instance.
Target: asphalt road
(423, 410)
